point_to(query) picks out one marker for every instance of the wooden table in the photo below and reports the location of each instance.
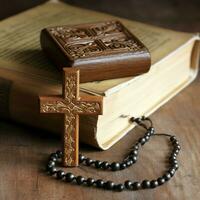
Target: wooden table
(24, 151)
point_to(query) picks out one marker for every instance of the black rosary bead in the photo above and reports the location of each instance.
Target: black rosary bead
(151, 130)
(146, 184)
(59, 154)
(175, 166)
(176, 151)
(129, 163)
(174, 154)
(81, 158)
(89, 161)
(109, 185)
(172, 138)
(128, 184)
(60, 174)
(134, 159)
(52, 158)
(173, 158)
(69, 177)
(97, 163)
(105, 165)
(119, 187)
(174, 162)
(175, 142)
(123, 165)
(148, 134)
(49, 167)
(52, 171)
(134, 152)
(136, 147)
(51, 163)
(99, 183)
(147, 138)
(54, 155)
(178, 147)
(136, 185)
(115, 166)
(154, 183)
(172, 172)
(90, 181)
(142, 141)
(80, 180)
(161, 180)
(167, 176)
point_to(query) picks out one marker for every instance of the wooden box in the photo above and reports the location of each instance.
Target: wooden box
(101, 51)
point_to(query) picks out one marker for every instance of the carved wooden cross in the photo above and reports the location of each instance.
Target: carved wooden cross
(71, 105)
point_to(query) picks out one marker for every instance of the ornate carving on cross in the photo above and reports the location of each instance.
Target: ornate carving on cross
(71, 105)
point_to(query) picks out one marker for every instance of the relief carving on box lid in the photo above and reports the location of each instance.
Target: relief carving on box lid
(95, 39)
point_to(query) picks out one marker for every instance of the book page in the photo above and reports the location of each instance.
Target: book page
(20, 41)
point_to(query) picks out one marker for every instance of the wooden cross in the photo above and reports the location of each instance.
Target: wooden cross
(71, 105)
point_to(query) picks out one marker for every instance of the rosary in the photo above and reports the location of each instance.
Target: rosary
(71, 105)
(115, 166)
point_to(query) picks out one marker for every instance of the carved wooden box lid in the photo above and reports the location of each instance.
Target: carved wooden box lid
(103, 50)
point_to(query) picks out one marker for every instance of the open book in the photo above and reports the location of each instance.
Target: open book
(25, 73)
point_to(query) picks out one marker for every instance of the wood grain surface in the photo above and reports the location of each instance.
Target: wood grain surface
(24, 151)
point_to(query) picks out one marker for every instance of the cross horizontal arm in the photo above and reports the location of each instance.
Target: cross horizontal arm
(90, 105)
(55, 104)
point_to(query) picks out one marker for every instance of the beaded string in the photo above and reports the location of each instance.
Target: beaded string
(115, 166)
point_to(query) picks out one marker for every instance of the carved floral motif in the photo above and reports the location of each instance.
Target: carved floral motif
(85, 41)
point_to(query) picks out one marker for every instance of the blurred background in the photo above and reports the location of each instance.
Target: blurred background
(183, 15)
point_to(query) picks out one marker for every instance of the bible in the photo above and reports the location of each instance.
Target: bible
(25, 73)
